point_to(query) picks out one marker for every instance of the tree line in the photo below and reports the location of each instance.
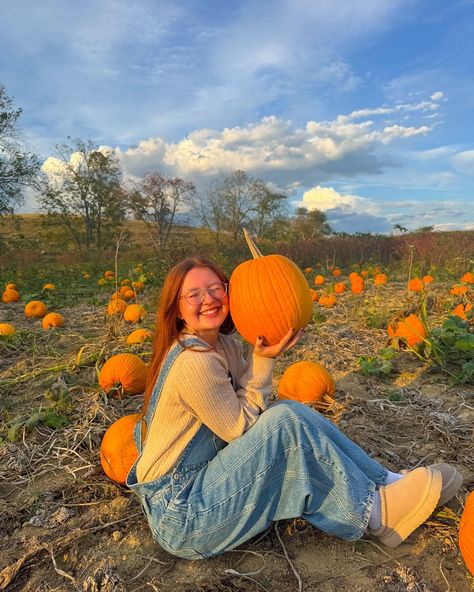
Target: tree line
(82, 188)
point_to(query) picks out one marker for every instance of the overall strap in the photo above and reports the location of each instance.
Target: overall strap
(171, 356)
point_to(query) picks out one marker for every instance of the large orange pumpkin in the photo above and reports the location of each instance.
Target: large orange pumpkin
(268, 296)
(466, 533)
(118, 451)
(307, 382)
(124, 372)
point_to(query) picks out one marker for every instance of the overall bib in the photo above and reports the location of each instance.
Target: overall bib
(291, 463)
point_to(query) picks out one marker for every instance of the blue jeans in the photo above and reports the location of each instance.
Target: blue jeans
(291, 463)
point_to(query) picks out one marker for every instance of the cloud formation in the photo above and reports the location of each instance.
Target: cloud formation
(278, 151)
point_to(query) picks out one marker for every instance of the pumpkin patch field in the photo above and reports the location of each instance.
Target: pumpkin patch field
(388, 355)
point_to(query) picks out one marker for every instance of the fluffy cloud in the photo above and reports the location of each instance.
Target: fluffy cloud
(276, 150)
(346, 213)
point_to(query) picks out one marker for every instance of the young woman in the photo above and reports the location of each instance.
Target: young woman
(219, 463)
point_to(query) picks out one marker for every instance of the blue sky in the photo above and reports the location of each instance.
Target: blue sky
(361, 108)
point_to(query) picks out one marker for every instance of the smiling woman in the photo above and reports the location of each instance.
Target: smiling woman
(220, 462)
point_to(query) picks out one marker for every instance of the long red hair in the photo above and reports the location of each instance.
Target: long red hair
(168, 324)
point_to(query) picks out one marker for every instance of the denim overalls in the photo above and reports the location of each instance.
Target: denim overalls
(291, 463)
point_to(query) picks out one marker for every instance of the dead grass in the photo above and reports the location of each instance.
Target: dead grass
(67, 527)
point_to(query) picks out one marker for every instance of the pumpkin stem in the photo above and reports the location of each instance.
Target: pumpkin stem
(252, 246)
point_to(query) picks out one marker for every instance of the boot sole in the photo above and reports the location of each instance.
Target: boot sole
(400, 531)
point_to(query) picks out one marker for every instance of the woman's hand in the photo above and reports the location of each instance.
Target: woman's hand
(271, 351)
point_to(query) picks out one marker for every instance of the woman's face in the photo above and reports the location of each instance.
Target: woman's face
(202, 310)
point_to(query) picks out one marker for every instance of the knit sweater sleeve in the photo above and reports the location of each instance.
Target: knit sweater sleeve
(205, 390)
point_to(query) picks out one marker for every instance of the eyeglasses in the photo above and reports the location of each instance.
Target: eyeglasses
(196, 297)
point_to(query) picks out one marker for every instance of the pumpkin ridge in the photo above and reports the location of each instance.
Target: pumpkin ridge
(295, 302)
(265, 287)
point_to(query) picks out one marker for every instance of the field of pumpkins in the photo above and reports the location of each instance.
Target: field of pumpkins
(387, 356)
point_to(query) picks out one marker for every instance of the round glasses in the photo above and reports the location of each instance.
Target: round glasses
(196, 297)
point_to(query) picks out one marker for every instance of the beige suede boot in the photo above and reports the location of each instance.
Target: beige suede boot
(406, 504)
(452, 481)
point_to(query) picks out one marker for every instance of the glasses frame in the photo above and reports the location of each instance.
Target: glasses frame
(205, 291)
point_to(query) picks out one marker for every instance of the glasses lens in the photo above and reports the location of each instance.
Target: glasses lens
(217, 291)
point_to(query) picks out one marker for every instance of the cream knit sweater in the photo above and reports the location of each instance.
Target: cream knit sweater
(199, 389)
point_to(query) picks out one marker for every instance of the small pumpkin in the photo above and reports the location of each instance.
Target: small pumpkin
(134, 313)
(307, 382)
(11, 287)
(116, 307)
(51, 287)
(459, 290)
(339, 287)
(318, 280)
(461, 309)
(353, 275)
(427, 279)
(10, 295)
(268, 296)
(466, 533)
(125, 373)
(416, 285)
(380, 279)
(102, 281)
(364, 273)
(336, 272)
(357, 285)
(126, 282)
(308, 270)
(468, 278)
(6, 330)
(410, 329)
(109, 274)
(139, 336)
(314, 295)
(118, 450)
(128, 295)
(327, 301)
(138, 286)
(35, 309)
(52, 319)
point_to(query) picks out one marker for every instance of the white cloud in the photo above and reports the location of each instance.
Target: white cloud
(464, 162)
(327, 198)
(275, 149)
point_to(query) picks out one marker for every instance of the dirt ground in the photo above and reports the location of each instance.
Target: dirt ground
(65, 526)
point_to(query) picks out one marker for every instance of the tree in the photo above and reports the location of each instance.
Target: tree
(309, 224)
(236, 201)
(81, 187)
(18, 167)
(269, 219)
(400, 228)
(156, 200)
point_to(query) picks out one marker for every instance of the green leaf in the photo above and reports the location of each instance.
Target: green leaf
(55, 420)
(466, 343)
